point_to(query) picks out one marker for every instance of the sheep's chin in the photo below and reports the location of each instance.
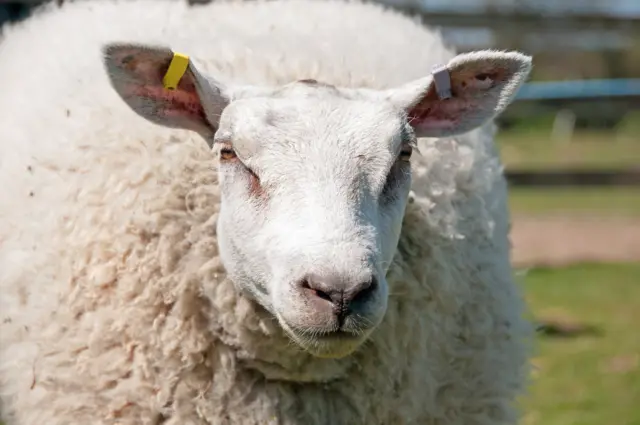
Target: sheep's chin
(325, 347)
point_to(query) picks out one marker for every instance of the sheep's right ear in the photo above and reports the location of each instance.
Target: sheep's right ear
(137, 74)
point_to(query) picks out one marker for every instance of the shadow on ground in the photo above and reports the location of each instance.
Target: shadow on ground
(560, 329)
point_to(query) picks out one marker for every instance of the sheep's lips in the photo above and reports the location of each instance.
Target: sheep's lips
(331, 345)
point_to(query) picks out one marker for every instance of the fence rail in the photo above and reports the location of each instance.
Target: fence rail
(525, 21)
(573, 178)
(580, 89)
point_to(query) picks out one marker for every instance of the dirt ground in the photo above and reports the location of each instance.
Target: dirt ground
(561, 240)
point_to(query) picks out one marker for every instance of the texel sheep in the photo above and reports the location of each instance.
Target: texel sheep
(251, 246)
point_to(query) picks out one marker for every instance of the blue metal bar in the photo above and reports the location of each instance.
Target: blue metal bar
(579, 89)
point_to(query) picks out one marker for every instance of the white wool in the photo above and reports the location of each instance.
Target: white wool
(114, 305)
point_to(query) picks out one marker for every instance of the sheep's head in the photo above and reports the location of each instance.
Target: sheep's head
(315, 178)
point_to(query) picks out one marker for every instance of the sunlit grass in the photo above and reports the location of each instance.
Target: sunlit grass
(624, 201)
(535, 150)
(592, 379)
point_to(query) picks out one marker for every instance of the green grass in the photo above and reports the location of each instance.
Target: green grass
(619, 201)
(586, 380)
(534, 150)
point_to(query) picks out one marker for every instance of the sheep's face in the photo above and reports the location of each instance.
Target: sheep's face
(314, 185)
(315, 178)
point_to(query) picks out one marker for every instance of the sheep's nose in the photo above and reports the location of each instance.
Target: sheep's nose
(338, 294)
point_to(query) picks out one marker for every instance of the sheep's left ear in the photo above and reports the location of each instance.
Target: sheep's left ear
(470, 90)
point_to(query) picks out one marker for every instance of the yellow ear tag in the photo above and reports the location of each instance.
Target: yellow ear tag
(177, 68)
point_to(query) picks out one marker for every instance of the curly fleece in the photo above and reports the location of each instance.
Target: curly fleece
(114, 304)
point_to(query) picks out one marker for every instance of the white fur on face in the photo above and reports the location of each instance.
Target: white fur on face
(329, 202)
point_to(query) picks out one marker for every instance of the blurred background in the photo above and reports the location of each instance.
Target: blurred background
(571, 147)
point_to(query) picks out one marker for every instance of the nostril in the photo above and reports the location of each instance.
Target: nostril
(363, 291)
(317, 292)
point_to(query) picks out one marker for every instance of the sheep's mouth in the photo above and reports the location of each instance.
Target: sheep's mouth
(338, 335)
(328, 344)
(332, 346)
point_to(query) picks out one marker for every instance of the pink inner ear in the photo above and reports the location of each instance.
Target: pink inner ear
(480, 80)
(438, 114)
(171, 103)
(467, 90)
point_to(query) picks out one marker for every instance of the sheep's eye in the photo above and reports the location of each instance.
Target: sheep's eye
(405, 154)
(227, 154)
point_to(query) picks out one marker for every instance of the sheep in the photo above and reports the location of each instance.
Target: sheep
(308, 226)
